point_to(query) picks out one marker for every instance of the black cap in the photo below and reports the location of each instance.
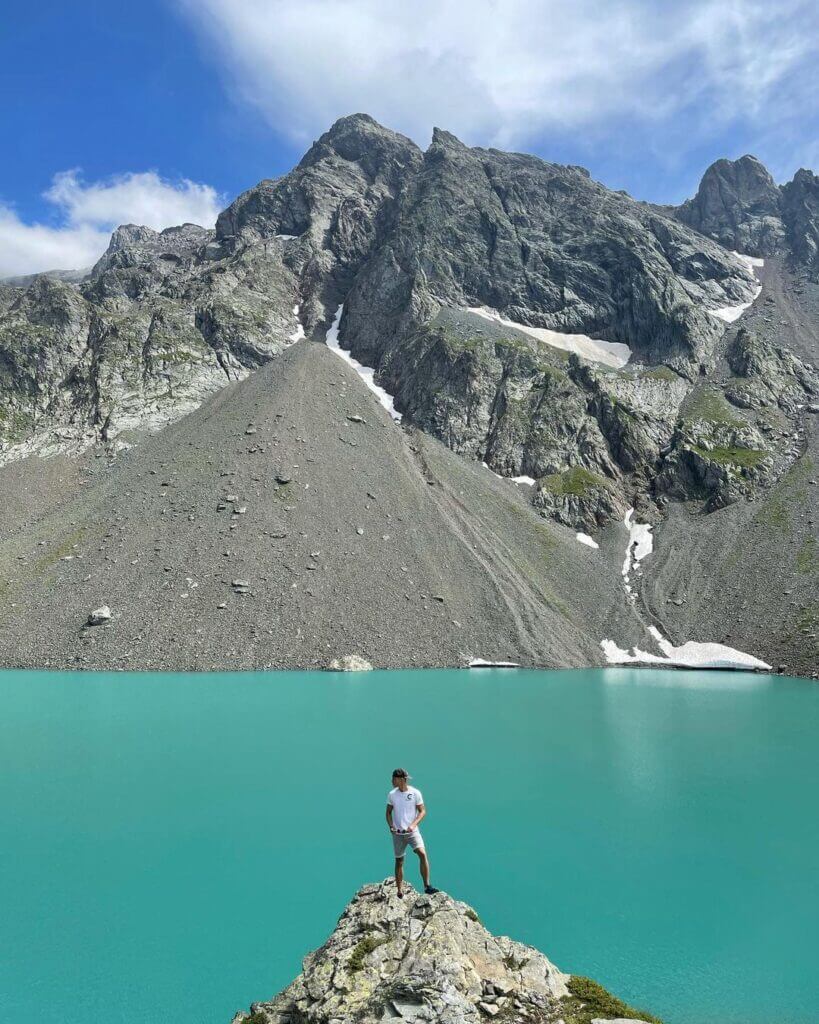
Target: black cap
(401, 773)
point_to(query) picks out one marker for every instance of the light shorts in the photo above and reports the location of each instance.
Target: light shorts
(402, 840)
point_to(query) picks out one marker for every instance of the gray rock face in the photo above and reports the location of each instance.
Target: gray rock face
(132, 245)
(739, 204)
(546, 246)
(800, 213)
(423, 958)
(409, 242)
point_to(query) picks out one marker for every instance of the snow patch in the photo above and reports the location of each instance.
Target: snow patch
(731, 313)
(584, 538)
(298, 334)
(749, 262)
(286, 238)
(611, 353)
(367, 373)
(480, 663)
(691, 654)
(530, 480)
(640, 544)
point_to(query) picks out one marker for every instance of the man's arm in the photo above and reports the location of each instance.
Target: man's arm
(389, 817)
(419, 817)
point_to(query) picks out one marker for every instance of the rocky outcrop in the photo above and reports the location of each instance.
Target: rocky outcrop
(739, 204)
(429, 958)
(768, 375)
(800, 213)
(134, 244)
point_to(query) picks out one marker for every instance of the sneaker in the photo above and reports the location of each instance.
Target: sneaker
(430, 890)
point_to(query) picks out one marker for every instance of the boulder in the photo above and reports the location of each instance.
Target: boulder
(99, 616)
(350, 663)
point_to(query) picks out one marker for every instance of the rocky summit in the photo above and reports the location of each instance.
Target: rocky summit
(429, 958)
(527, 357)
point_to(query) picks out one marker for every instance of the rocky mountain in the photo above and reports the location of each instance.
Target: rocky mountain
(429, 958)
(606, 353)
(739, 205)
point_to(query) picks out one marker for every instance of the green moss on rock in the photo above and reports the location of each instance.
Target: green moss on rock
(747, 458)
(710, 407)
(363, 950)
(661, 373)
(588, 1000)
(575, 481)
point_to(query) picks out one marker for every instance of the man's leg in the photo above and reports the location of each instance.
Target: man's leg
(424, 864)
(399, 874)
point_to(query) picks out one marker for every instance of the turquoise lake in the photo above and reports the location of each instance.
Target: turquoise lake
(172, 845)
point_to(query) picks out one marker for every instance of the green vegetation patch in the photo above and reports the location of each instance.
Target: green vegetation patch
(710, 407)
(363, 950)
(661, 373)
(53, 555)
(587, 1000)
(776, 515)
(807, 557)
(745, 457)
(808, 618)
(575, 481)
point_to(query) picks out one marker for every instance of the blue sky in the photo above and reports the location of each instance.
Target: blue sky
(164, 110)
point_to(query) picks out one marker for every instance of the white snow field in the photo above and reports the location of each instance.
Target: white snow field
(691, 654)
(611, 353)
(731, 313)
(584, 538)
(366, 373)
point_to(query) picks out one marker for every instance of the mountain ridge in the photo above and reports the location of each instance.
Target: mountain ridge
(482, 289)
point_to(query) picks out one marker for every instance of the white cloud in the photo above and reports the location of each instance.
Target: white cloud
(87, 212)
(504, 71)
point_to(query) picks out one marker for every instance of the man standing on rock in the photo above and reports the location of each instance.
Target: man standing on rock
(405, 812)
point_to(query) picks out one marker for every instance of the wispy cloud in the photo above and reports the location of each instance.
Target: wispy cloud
(507, 71)
(87, 212)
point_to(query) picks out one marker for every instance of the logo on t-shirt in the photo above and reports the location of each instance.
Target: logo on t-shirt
(409, 796)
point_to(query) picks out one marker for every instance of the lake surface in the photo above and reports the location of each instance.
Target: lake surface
(173, 845)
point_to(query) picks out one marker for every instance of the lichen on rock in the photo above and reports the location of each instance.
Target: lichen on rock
(429, 958)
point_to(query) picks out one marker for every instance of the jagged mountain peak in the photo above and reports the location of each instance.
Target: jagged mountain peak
(132, 244)
(355, 157)
(443, 139)
(747, 165)
(360, 138)
(738, 204)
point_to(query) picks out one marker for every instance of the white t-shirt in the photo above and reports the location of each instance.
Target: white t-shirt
(404, 806)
